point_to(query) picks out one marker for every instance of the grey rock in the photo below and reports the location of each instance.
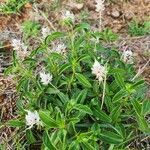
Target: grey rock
(115, 13)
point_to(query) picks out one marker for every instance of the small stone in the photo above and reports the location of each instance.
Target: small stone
(108, 13)
(147, 2)
(79, 6)
(75, 6)
(93, 15)
(128, 15)
(90, 4)
(115, 13)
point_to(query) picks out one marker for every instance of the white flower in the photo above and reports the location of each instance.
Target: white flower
(59, 47)
(20, 47)
(24, 47)
(45, 78)
(45, 32)
(98, 70)
(127, 56)
(68, 15)
(16, 44)
(32, 118)
(99, 5)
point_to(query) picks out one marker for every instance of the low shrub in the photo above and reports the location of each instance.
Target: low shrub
(75, 94)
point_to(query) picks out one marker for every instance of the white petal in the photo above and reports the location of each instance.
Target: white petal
(127, 56)
(45, 32)
(98, 70)
(32, 118)
(45, 78)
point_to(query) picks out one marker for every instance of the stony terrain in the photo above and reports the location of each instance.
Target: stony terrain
(116, 16)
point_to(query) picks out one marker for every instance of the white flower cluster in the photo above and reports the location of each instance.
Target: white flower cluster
(17, 45)
(67, 15)
(100, 5)
(20, 47)
(45, 32)
(99, 71)
(32, 118)
(59, 47)
(127, 56)
(45, 78)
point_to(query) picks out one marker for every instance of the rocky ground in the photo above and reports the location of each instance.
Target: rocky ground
(117, 15)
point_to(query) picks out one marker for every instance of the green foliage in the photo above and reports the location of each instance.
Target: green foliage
(30, 29)
(2, 146)
(83, 16)
(55, 5)
(15, 123)
(138, 29)
(12, 6)
(70, 106)
(107, 35)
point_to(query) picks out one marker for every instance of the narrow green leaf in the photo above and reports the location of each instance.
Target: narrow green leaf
(31, 139)
(83, 108)
(47, 142)
(21, 83)
(116, 70)
(53, 36)
(111, 137)
(74, 146)
(34, 52)
(87, 146)
(8, 70)
(15, 123)
(137, 107)
(143, 124)
(47, 120)
(64, 68)
(119, 95)
(54, 136)
(146, 107)
(14, 58)
(120, 80)
(138, 83)
(64, 98)
(82, 96)
(29, 60)
(115, 113)
(82, 26)
(83, 80)
(85, 56)
(111, 147)
(101, 115)
(52, 91)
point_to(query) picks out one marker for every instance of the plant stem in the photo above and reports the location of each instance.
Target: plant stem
(100, 21)
(104, 89)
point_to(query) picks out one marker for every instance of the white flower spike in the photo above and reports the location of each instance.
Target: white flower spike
(32, 118)
(68, 15)
(127, 56)
(45, 78)
(100, 5)
(98, 70)
(45, 32)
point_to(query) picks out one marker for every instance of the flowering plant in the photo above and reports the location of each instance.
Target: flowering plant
(86, 99)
